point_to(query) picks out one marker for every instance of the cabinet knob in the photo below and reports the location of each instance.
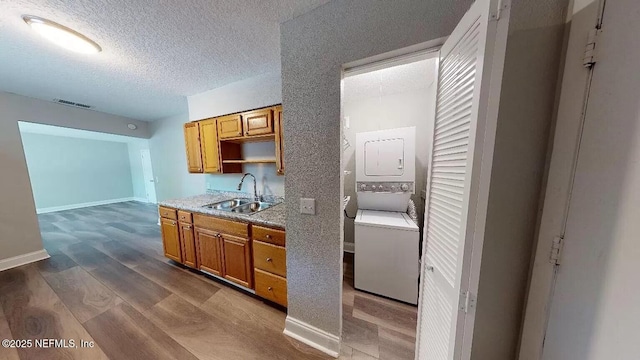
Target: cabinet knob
(173, 223)
(268, 236)
(269, 259)
(246, 133)
(239, 132)
(270, 288)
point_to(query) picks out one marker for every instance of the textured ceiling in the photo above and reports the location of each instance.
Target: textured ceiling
(155, 52)
(391, 80)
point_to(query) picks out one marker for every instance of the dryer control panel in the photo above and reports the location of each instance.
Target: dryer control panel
(384, 187)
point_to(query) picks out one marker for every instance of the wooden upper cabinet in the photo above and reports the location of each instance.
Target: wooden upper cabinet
(230, 126)
(279, 130)
(171, 240)
(209, 254)
(258, 122)
(209, 146)
(237, 260)
(192, 145)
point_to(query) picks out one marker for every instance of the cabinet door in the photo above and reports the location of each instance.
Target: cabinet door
(279, 130)
(171, 240)
(210, 146)
(229, 126)
(258, 122)
(208, 251)
(192, 146)
(237, 260)
(188, 245)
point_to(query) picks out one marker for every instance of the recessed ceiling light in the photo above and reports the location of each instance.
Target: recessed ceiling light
(62, 35)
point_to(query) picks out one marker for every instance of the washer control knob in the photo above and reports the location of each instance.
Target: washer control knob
(393, 188)
(380, 188)
(363, 187)
(404, 187)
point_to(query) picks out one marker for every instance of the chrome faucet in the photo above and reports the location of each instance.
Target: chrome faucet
(255, 189)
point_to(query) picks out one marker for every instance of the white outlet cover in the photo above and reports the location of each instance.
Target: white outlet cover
(307, 206)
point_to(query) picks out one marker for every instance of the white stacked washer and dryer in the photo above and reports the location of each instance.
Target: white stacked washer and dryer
(386, 238)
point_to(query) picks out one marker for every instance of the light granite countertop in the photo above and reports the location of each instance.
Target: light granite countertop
(271, 217)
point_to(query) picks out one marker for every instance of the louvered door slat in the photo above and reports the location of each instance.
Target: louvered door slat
(448, 186)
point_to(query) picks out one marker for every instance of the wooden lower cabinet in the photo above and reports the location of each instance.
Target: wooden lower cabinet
(237, 260)
(188, 245)
(271, 287)
(208, 251)
(171, 239)
(249, 255)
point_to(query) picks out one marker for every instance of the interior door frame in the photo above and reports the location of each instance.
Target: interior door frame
(557, 196)
(430, 49)
(142, 155)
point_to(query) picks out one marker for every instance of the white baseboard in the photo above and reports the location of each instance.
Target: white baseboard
(83, 205)
(139, 199)
(23, 259)
(349, 247)
(312, 336)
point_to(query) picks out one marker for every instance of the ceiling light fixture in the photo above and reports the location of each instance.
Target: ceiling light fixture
(62, 35)
(132, 126)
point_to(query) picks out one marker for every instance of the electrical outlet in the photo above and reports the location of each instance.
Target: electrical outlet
(308, 206)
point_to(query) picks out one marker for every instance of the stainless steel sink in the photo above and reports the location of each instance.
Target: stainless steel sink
(253, 207)
(239, 205)
(228, 204)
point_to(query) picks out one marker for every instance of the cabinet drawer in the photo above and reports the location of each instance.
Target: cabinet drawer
(221, 225)
(168, 213)
(268, 235)
(184, 216)
(258, 122)
(271, 287)
(229, 126)
(270, 258)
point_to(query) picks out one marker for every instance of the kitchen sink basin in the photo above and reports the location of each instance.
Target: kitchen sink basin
(250, 208)
(240, 205)
(228, 204)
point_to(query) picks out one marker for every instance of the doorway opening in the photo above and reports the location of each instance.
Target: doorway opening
(72, 168)
(388, 113)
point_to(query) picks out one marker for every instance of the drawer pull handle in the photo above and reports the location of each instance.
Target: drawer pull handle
(270, 288)
(269, 259)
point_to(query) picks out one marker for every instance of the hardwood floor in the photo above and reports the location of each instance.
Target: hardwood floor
(375, 327)
(107, 281)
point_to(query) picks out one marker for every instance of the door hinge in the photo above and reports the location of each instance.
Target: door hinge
(556, 250)
(502, 5)
(591, 51)
(467, 301)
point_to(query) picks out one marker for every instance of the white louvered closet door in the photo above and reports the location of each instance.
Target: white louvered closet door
(456, 191)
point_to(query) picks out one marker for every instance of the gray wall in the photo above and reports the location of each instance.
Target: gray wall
(169, 160)
(526, 109)
(19, 230)
(314, 48)
(67, 171)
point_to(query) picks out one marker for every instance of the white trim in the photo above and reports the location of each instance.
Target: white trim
(312, 336)
(142, 200)
(23, 259)
(349, 247)
(84, 205)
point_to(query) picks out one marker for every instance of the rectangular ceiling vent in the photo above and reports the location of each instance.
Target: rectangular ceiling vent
(71, 103)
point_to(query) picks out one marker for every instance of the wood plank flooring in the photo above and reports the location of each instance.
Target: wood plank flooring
(375, 327)
(107, 281)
